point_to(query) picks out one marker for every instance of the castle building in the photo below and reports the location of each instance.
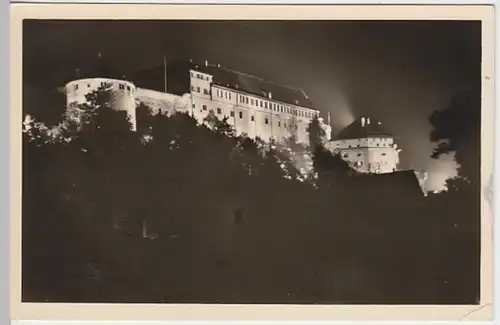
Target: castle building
(367, 146)
(255, 107)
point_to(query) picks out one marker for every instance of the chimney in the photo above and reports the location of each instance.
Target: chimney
(270, 95)
(206, 63)
(218, 65)
(363, 122)
(368, 121)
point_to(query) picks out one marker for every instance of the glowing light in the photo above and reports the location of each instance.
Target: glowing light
(439, 171)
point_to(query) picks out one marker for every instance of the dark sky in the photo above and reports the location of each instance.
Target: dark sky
(398, 72)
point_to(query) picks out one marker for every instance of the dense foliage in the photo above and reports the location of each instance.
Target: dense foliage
(180, 212)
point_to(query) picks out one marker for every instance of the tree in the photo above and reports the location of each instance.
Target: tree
(221, 127)
(457, 129)
(316, 133)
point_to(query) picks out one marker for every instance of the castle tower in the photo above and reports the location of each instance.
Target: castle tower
(101, 74)
(123, 94)
(367, 146)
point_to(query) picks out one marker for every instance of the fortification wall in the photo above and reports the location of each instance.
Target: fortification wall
(123, 94)
(167, 103)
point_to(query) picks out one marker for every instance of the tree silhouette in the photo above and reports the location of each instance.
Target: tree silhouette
(187, 213)
(457, 129)
(316, 133)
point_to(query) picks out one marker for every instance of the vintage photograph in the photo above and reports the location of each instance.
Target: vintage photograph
(312, 162)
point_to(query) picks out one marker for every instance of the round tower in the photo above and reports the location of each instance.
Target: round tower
(123, 94)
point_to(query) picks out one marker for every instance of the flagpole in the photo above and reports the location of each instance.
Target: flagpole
(165, 71)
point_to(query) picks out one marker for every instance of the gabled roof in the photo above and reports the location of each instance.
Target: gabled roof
(254, 85)
(363, 128)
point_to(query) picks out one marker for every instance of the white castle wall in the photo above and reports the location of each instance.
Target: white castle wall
(123, 94)
(248, 114)
(368, 155)
(167, 103)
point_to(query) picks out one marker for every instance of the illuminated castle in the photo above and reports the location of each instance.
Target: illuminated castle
(254, 106)
(367, 146)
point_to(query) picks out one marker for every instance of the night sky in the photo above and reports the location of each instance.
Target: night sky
(397, 72)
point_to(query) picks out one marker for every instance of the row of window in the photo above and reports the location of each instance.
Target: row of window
(104, 84)
(346, 155)
(240, 114)
(223, 94)
(199, 76)
(274, 106)
(257, 102)
(198, 90)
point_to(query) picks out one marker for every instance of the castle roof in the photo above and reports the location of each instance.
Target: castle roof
(255, 85)
(363, 128)
(224, 77)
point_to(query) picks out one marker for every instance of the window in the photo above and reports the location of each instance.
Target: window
(284, 125)
(206, 92)
(232, 114)
(219, 111)
(103, 84)
(261, 104)
(251, 101)
(266, 121)
(204, 107)
(252, 118)
(192, 88)
(345, 155)
(279, 124)
(383, 154)
(198, 89)
(76, 87)
(241, 114)
(122, 86)
(246, 100)
(193, 105)
(229, 95)
(359, 155)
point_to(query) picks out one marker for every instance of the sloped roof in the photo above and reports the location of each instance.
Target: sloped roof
(254, 85)
(386, 184)
(363, 128)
